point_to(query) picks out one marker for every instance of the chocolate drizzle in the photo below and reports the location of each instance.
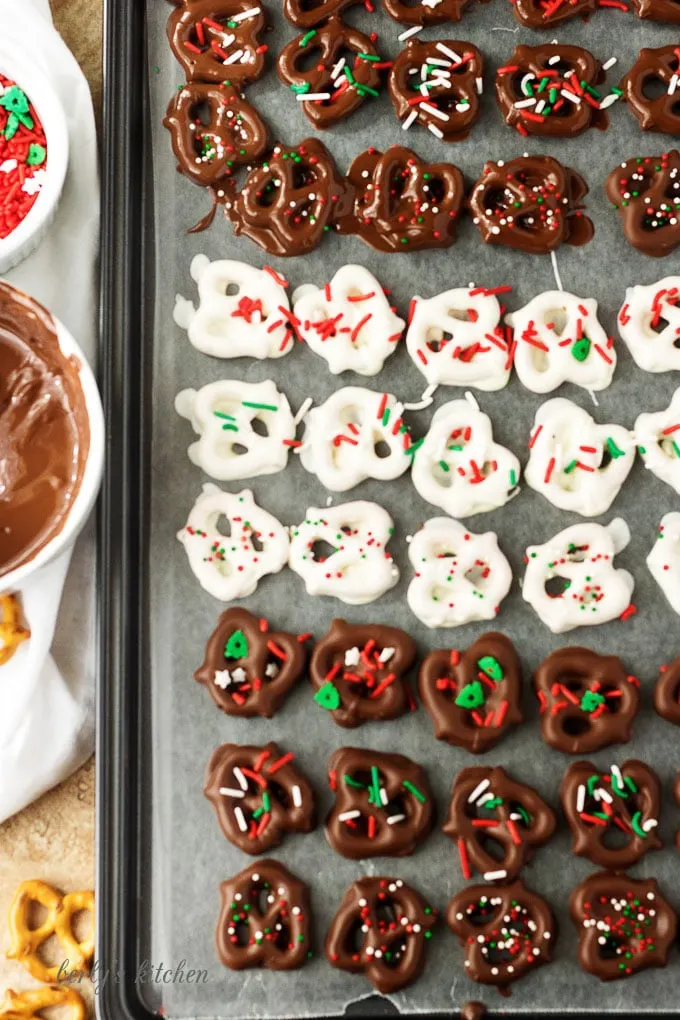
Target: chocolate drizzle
(44, 430)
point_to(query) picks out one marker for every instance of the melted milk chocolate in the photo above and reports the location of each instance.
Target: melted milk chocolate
(44, 430)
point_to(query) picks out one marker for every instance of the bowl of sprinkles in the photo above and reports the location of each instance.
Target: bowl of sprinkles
(33, 159)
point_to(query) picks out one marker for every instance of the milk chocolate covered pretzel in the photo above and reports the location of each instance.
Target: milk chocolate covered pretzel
(213, 131)
(426, 12)
(587, 701)
(438, 84)
(646, 192)
(359, 672)
(475, 696)
(489, 807)
(551, 91)
(507, 931)
(308, 13)
(248, 669)
(219, 40)
(625, 925)
(381, 930)
(626, 798)
(258, 796)
(286, 204)
(658, 67)
(667, 692)
(402, 203)
(265, 920)
(344, 73)
(383, 804)
(546, 13)
(657, 10)
(531, 203)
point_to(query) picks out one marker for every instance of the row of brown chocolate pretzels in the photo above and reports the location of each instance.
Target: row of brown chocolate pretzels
(383, 926)
(384, 807)
(359, 673)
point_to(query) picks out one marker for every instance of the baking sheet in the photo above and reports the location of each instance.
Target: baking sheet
(190, 855)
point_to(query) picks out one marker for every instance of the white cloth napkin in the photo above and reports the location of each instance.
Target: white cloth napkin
(47, 689)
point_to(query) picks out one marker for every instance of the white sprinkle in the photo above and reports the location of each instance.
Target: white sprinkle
(386, 654)
(673, 85)
(226, 791)
(409, 32)
(449, 53)
(491, 876)
(393, 819)
(479, 85)
(384, 799)
(609, 63)
(406, 124)
(601, 794)
(609, 101)
(437, 132)
(478, 790)
(424, 401)
(352, 656)
(240, 819)
(556, 271)
(540, 106)
(222, 678)
(347, 816)
(523, 103)
(233, 57)
(303, 410)
(471, 400)
(8, 166)
(250, 13)
(311, 96)
(651, 823)
(571, 97)
(337, 68)
(616, 772)
(272, 670)
(297, 796)
(554, 60)
(580, 798)
(434, 111)
(240, 778)
(438, 62)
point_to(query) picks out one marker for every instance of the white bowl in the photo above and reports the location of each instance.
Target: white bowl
(92, 476)
(27, 236)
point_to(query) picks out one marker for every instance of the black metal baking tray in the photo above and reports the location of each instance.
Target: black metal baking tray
(124, 789)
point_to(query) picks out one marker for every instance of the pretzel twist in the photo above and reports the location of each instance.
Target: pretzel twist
(30, 1004)
(26, 942)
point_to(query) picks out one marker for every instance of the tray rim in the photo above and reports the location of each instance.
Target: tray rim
(126, 264)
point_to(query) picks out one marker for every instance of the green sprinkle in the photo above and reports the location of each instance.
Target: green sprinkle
(471, 696)
(266, 801)
(353, 782)
(414, 446)
(328, 696)
(491, 667)
(369, 56)
(348, 75)
(591, 700)
(37, 154)
(258, 814)
(308, 37)
(259, 407)
(444, 466)
(237, 646)
(363, 89)
(301, 90)
(570, 467)
(637, 828)
(630, 784)
(614, 450)
(374, 791)
(415, 791)
(513, 479)
(493, 803)
(591, 784)
(581, 349)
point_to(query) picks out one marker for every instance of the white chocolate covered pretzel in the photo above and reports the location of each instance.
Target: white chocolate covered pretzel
(664, 559)
(243, 312)
(574, 462)
(456, 339)
(341, 551)
(459, 576)
(356, 434)
(558, 339)
(245, 429)
(459, 467)
(571, 580)
(658, 438)
(649, 324)
(349, 322)
(229, 567)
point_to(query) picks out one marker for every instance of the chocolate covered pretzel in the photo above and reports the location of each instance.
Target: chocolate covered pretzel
(359, 672)
(383, 804)
(213, 131)
(551, 91)
(248, 669)
(308, 13)
(258, 796)
(426, 12)
(381, 930)
(667, 692)
(490, 807)
(625, 925)
(507, 931)
(627, 798)
(219, 40)
(546, 13)
(437, 84)
(646, 192)
(265, 920)
(658, 10)
(588, 701)
(531, 203)
(287, 203)
(655, 67)
(331, 70)
(402, 203)
(473, 697)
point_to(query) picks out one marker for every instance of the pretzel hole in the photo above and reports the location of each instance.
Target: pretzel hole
(223, 526)
(614, 838)
(576, 725)
(496, 199)
(436, 339)
(307, 59)
(493, 847)
(478, 574)
(259, 426)
(322, 550)
(355, 938)
(675, 109)
(238, 449)
(436, 188)
(577, 553)
(241, 933)
(667, 446)
(201, 113)
(232, 289)
(658, 325)
(653, 87)
(264, 900)
(52, 953)
(555, 587)
(256, 541)
(480, 915)
(386, 911)
(37, 912)
(382, 449)
(280, 794)
(82, 924)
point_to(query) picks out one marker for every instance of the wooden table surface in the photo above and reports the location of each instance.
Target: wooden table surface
(53, 839)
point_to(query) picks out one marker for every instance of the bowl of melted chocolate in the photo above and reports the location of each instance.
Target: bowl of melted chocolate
(51, 437)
